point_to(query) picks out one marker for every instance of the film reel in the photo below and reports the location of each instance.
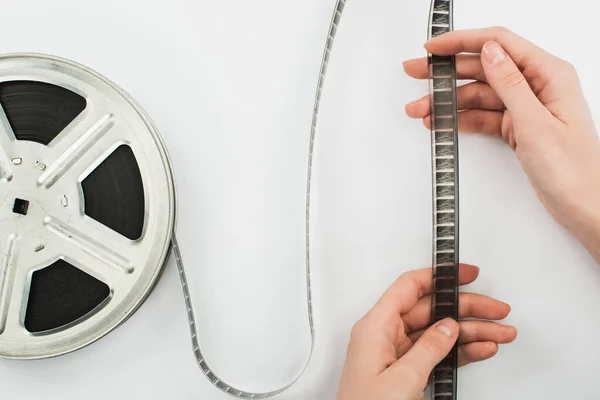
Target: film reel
(444, 141)
(88, 209)
(87, 206)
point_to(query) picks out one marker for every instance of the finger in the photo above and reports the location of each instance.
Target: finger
(431, 348)
(486, 331)
(419, 108)
(474, 95)
(411, 286)
(476, 121)
(565, 96)
(468, 66)
(470, 305)
(479, 331)
(510, 84)
(522, 51)
(476, 352)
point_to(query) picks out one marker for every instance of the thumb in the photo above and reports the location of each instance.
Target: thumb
(509, 83)
(431, 348)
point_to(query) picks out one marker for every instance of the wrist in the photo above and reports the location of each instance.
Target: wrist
(584, 223)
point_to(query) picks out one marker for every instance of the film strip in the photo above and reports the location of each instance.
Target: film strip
(444, 141)
(202, 362)
(81, 246)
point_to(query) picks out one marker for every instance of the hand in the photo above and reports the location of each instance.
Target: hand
(535, 102)
(391, 354)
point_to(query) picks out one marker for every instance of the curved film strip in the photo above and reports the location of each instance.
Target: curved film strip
(202, 362)
(444, 141)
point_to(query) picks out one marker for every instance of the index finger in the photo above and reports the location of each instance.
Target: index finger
(473, 40)
(403, 295)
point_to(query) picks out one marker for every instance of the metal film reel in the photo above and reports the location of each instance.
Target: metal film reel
(87, 206)
(444, 141)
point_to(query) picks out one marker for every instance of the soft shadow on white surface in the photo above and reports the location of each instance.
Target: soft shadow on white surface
(231, 87)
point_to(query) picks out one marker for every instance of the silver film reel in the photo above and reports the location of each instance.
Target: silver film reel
(56, 246)
(67, 228)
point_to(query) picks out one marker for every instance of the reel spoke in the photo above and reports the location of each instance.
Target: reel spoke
(16, 290)
(8, 255)
(119, 283)
(107, 247)
(78, 147)
(7, 138)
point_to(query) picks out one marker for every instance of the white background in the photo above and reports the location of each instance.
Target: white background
(230, 85)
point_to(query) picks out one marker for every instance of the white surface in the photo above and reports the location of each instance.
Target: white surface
(231, 85)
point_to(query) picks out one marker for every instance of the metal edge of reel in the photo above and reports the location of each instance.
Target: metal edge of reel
(167, 164)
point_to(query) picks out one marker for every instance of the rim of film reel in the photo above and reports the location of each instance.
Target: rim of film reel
(87, 206)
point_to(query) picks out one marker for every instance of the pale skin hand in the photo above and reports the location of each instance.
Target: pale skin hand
(392, 350)
(535, 102)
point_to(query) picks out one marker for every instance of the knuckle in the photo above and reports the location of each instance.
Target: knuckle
(569, 68)
(564, 66)
(410, 377)
(479, 121)
(513, 79)
(410, 275)
(359, 330)
(528, 60)
(432, 344)
(476, 96)
(501, 31)
(457, 43)
(356, 331)
(468, 302)
(407, 274)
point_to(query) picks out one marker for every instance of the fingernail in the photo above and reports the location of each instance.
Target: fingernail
(446, 327)
(494, 53)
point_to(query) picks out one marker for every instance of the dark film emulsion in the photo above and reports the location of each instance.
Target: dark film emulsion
(445, 155)
(61, 293)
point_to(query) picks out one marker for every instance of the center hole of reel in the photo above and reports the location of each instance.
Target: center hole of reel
(21, 206)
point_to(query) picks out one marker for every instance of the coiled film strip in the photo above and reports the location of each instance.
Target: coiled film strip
(202, 362)
(444, 141)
